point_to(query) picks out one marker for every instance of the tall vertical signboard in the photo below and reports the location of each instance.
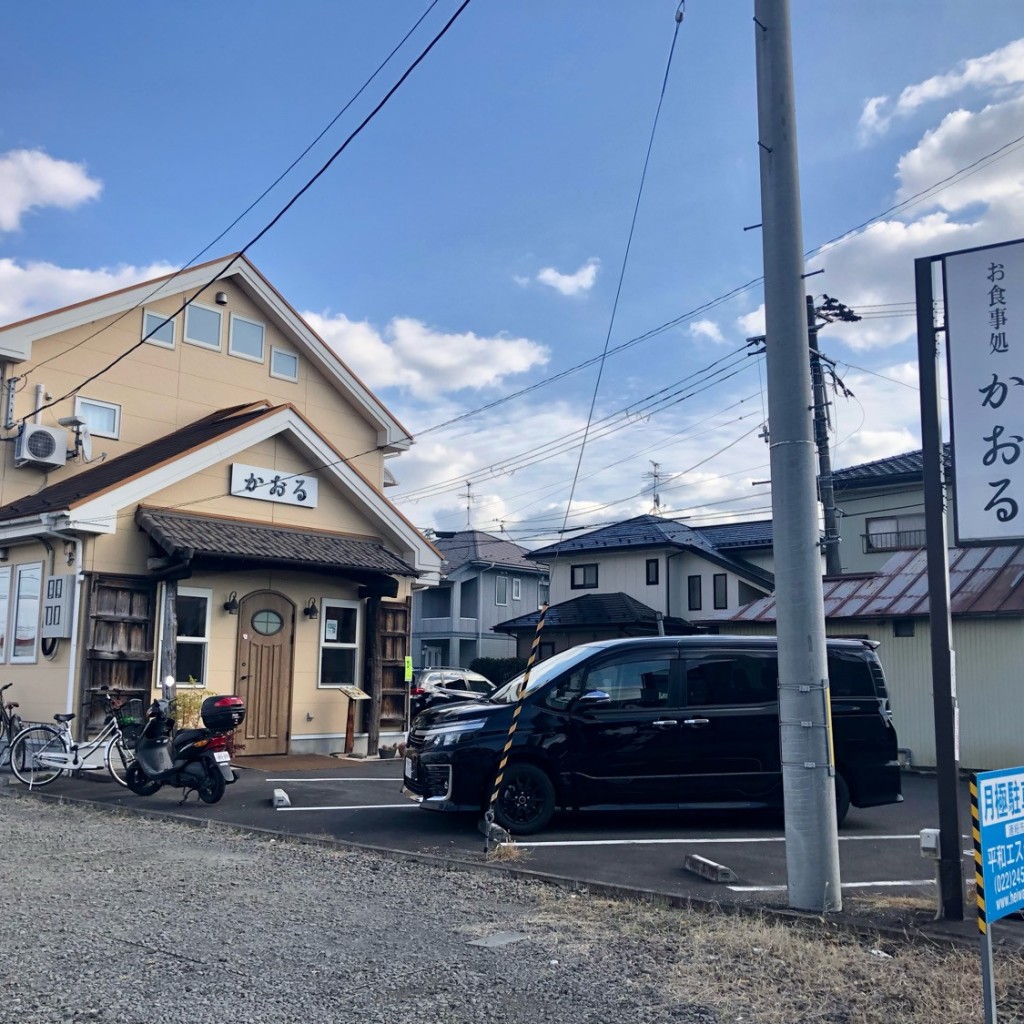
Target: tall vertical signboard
(984, 291)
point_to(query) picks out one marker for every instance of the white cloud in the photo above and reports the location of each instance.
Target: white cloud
(571, 284)
(752, 324)
(32, 288)
(408, 354)
(992, 72)
(876, 267)
(30, 178)
(707, 329)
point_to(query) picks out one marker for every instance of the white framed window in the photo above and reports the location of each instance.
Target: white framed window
(5, 608)
(202, 326)
(245, 338)
(517, 588)
(193, 640)
(501, 590)
(28, 581)
(283, 364)
(102, 418)
(340, 630)
(162, 329)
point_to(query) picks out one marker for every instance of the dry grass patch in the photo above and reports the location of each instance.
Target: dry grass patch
(507, 853)
(756, 969)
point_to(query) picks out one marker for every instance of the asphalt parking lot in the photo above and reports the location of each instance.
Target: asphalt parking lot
(361, 802)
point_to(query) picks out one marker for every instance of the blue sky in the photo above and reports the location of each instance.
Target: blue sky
(469, 243)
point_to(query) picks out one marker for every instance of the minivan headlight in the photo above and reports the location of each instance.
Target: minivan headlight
(449, 734)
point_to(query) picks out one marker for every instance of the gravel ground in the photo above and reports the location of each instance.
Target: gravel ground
(121, 919)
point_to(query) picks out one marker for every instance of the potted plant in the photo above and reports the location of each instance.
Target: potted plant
(386, 752)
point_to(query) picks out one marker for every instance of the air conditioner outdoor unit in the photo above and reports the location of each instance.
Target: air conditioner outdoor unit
(46, 447)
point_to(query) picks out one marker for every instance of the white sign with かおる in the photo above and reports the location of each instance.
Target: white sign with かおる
(273, 485)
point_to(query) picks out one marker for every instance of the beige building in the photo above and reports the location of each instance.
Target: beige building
(196, 489)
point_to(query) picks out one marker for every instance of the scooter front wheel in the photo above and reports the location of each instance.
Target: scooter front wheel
(139, 782)
(212, 788)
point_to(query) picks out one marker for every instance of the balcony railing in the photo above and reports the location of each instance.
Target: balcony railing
(900, 540)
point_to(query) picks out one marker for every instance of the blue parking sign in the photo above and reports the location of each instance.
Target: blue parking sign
(999, 842)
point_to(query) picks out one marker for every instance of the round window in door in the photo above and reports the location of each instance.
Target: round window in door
(267, 622)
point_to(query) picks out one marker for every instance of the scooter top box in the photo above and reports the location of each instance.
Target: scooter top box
(223, 713)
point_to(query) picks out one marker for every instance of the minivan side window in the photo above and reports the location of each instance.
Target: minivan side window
(850, 675)
(720, 678)
(634, 680)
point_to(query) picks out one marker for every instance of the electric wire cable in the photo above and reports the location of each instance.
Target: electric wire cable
(274, 220)
(277, 181)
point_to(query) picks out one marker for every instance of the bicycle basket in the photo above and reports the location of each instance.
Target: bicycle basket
(131, 718)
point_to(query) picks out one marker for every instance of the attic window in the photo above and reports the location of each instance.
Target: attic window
(284, 365)
(202, 326)
(162, 329)
(245, 338)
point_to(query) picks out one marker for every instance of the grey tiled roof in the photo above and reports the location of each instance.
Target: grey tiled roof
(905, 468)
(653, 531)
(207, 537)
(467, 547)
(616, 609)
(755, 534)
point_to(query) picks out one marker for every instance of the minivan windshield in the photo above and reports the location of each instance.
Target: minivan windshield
(543, 673)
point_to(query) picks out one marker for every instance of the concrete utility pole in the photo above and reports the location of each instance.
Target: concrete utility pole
(812, 846)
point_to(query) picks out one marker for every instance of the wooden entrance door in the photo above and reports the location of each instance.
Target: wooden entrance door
(266, 631)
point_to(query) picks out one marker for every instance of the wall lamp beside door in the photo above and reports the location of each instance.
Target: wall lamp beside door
(231, 604)
(311, 611)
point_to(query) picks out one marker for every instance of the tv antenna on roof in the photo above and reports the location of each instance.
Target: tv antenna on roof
(653, 488)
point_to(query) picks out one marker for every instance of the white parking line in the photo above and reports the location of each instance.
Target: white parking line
(694, 840)
(353, 807)
(396, 779)
(845, 885)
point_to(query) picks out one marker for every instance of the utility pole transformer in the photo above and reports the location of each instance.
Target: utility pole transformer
(812, 846)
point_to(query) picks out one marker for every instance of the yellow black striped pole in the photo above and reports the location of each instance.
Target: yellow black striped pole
(988, 986)
(520, 693)
(979, 870)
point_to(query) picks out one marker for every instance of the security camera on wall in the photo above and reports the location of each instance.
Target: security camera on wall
(72, 421)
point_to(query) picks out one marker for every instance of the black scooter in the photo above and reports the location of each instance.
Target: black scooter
(194, 759)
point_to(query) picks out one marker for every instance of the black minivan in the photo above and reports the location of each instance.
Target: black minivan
(652, 722)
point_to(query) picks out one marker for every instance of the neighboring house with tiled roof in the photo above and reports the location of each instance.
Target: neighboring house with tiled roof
(484, 580)
(881, 507)
(205, 500)
(681, 571)
(891, 607)
(590, 617)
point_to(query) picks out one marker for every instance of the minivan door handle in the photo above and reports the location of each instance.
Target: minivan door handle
(664, 723)
(696, 723)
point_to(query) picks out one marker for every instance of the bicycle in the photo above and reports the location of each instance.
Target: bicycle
(41, 754)
(10, 724)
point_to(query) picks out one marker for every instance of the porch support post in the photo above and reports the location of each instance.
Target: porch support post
(169, 632)
(374, 672)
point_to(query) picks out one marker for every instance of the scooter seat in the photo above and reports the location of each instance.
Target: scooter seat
(183, 736)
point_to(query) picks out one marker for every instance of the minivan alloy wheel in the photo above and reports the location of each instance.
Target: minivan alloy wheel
(526, 800)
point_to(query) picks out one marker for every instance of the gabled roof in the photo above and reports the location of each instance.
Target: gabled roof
(982, 581)
(92, 501)
(907, 468)
(475, 548)
(70, 491)
(592, 610)
(652, 531)
(16, 339)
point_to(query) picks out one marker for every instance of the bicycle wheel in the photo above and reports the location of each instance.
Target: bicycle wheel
(29, 749)
(118, 759)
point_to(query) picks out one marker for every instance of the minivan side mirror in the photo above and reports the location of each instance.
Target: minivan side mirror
(593, 698)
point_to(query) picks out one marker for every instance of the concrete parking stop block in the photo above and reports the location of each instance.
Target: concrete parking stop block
(709, 869)
(280, 799)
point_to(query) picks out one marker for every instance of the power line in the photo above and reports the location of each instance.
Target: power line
(277, 217)
(202, 252)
